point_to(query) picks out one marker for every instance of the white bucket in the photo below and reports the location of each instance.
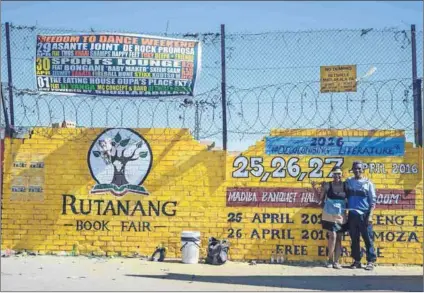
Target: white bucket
(190, 246)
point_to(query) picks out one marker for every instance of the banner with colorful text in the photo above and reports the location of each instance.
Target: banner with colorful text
(123, 65)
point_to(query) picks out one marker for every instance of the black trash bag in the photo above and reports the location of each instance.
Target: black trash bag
(217, 251)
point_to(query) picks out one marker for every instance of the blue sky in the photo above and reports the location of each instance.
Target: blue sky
(204, 16)
(297, 56)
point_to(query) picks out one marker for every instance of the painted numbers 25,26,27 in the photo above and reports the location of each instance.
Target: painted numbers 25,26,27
(282, 168)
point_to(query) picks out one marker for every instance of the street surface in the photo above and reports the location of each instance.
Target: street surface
(66, 273)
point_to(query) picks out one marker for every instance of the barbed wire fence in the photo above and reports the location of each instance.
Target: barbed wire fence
(272, 82)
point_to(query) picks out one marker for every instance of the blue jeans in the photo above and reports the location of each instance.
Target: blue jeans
(358, 225)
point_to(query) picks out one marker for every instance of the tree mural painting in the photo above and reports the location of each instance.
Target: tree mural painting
(116, 151)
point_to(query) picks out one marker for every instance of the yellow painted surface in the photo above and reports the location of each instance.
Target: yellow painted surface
(338, 78)
(187, 187)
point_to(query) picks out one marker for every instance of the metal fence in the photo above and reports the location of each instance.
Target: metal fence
(272, 82)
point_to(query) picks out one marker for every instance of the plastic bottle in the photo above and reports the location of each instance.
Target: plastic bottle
(273, 257)
(281, 258)
(74, 250)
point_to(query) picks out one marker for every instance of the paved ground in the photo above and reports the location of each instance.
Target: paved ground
(60, 273)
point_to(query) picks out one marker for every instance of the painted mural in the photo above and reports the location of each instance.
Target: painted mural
(124, 191)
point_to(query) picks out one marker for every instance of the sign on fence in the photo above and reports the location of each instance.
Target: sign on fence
(117, 65)
(339, 78)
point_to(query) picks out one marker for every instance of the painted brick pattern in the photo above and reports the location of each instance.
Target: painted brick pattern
(188, 187)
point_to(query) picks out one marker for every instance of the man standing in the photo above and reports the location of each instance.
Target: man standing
(361, 203)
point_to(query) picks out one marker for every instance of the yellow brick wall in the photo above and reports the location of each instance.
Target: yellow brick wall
(400, 226)
(193, 181)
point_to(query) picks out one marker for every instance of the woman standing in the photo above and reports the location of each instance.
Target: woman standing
(333, 199)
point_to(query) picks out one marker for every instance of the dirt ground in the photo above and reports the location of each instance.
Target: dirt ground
(60, 273)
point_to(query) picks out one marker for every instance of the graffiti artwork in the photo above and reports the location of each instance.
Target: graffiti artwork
(119, 160)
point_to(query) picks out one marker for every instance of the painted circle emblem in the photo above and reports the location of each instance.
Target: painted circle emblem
(119, 160)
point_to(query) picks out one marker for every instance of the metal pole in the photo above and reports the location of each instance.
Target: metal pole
(196, 122)
(223, 90)
(414, 53)
(416, 90)
(9, 75)
(419, 111)
(6, 118)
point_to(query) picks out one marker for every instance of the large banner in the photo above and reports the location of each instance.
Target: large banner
(117, 65)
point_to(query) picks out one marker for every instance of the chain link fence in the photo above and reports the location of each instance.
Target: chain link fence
(272, 82)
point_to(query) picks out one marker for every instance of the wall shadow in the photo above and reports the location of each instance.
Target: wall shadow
(326, 283)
